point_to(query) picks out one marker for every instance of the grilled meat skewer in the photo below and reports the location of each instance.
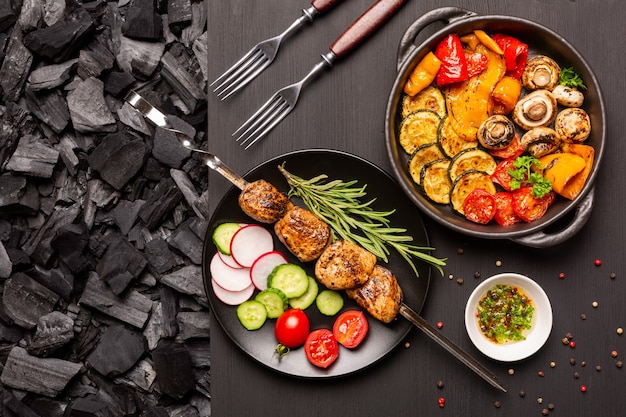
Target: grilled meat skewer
(303, 233)
(263, 202)
(344, 265)
(380, 295)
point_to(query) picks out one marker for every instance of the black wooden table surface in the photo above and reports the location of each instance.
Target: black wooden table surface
(344, 109)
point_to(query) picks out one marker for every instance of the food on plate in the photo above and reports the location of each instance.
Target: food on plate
(223, 235)
(350, 328)
(263, 202)
(329, 302)
(252, 314)
(344, 265)
(305, 300)
(321, 348)
(289, 278)
(511, 106)
(274, 300)
(381, 295)
(423, 75)
(505, 313)
(292, 328)
(479, 206)
(303, 233)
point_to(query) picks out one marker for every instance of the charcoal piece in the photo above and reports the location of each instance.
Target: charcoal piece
(167, 149)
(139, 58)
(70, 241)
(161, 202)
(119, 349)
(183, 182)
(6, 264)
(185, 240)
(18, 258)
(198, 23)
(200, 352)
(38, 245)
(179, 14)
(17, 195)
(186, 280)
(142, 376)
(132, 307)
(153, 332)
(201, 53)
(15, 67)
(88, 109)
(54, 11)
(54, 279)
(89, 406)
(14, 407)
(62, 40)
(183, 83)
(154, 170)
(173, 367)
(66, 147)
(120, 264)
(33, 157)
(193, 325)
(94, 59)
(11, 333)
(124, 214)
(51, 76)
(53, 331)
(50, 107)
(45, 376)
(142, 21)
(9, 12)
(160, 258)
(31, 15)
(132, 118)
(170, 308)
(118, 158)
(25, 300)
(118, 83)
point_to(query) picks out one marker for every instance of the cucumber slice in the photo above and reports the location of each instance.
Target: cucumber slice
(306, 299)
(223, 234)
(291, 279)
(252, 314)
(274, 301)
(329, 302)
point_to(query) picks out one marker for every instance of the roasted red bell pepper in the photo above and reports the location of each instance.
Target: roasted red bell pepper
(476, 63)
(453, 62)
(515, 54)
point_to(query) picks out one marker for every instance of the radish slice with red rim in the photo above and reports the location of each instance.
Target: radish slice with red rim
(232, 298)
(263, 266)
(249, 243)
(231, 279)
(228, 260)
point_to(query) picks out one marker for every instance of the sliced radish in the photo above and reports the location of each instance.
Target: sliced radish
(228, 260)
(231, 279)
(232, 298)
(250, 242)
(263, 266)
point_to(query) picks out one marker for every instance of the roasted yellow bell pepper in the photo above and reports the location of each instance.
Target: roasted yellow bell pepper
(561, 168)
(423, 75)
(488, 41)
(575, 185)
(505, 95)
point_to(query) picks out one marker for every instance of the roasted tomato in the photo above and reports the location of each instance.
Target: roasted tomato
(350, 328)
(512, 151)
(321, 348)
(292, 328)
(505, 216)
(528, 207)
(501, 174)
(479, 206)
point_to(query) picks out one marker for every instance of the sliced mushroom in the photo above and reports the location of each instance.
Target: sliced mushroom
(573, 125)
(567, 96)
(540, 141)
(496, 132)
(535, 109)
(541, 72)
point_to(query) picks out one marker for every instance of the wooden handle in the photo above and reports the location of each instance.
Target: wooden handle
(365, 25)
(323, 5)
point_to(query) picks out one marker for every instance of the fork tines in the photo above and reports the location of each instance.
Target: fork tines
(264, 120)
(241, 73)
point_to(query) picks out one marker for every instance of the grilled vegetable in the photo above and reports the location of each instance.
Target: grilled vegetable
(422, 156)
(423, 75)
(471, 159)
(450, 142)
(417, 129)
(431, 98)
(464, 185)
(436, 182)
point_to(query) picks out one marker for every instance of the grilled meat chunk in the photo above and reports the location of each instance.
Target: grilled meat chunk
(263, 202)
(381, 295)
(344, 265)
(303, 233)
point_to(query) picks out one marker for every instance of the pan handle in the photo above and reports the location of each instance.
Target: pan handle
(544, 240)
(446, 14)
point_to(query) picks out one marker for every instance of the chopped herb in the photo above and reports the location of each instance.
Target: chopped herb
(523, 175)
(505, 313)
(569, 78)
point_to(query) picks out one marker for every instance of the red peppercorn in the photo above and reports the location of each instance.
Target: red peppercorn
(439, 324)
(597, 262)
(572, 344)
(442, 402)
(540, 373)
(562, 275)
(583, 388)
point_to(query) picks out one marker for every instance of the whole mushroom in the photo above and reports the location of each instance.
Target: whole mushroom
(535, 109)
(540, 141)
(496, 132)
(541, 72)
(573, 125)
(567, 96)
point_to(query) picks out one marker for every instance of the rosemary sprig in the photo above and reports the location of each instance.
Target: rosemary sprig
(340, 205)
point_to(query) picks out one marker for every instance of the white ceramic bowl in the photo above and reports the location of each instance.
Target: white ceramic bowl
(536, 336)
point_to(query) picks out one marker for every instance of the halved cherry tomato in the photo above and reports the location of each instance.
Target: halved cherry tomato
(512, 151)
(350, 328)
(505, 216)
(479, 206)
(321, 348)
(528, 207)
(292, 328)
(501, 174)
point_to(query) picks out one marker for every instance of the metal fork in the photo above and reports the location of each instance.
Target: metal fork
(284, 100)
(158, 118)
(263, 53)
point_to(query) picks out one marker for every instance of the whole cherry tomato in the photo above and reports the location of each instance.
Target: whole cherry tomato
(292, 328)
(479, 206)
(321, 348)
(528, 207)
(350, 328)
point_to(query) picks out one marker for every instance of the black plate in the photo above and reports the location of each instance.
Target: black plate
(382, 338)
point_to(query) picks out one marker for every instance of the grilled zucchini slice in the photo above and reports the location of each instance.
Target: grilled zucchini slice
(464, 185)
(422, 156)
(435, 181)
(450, 142)
(430, 98)
(469, 159)
(417, 129)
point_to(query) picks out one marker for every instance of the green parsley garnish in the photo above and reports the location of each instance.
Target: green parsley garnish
(523, 175)
(569, 78)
